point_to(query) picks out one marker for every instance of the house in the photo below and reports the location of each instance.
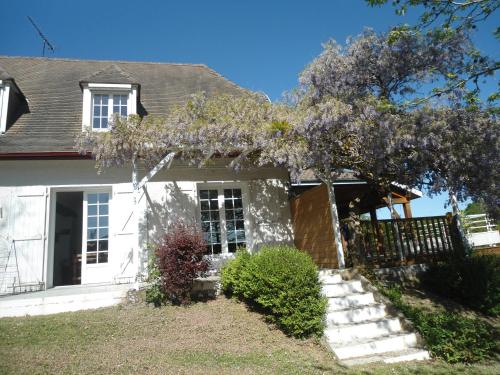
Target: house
(62, 223)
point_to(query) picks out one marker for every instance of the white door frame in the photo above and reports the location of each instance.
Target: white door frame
(49, 254)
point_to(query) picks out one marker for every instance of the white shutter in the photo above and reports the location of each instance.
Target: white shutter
(27, 229)
(124, 232)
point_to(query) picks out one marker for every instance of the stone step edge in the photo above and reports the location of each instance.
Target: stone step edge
(413, 354)
(348, 344)
(368, 321)
(359, 307)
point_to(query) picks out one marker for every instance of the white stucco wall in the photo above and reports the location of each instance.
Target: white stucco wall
(27, 204)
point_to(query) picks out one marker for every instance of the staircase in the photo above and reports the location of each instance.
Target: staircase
(359, 330)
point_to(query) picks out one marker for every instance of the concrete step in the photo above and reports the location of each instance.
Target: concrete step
(327, 271)
(342, 289)
(362, 348)
(365, 330)
(413, 354)
(350, 301)
(357, 315)
(331, 279)
(50, 302)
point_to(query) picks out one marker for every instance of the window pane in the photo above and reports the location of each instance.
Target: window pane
(103, 209)
(91, 246)
(103, 197)
(240, 224)
(228, 193)
(103, 221)
(228, 204)
(237, 193)
(124, 111)
(240, 235)
(231, 247)
(229, 215)
(103, 245)
(92, 234)
(203, 194)
(91, 258)
(204, 205)
(205, 226)
(213, 194)
(238, 214)
(238, 203)
(92, 210)
(231, 236)
(215, 227)
(92, 198)
(103, 257)
(217, 249)
(214, 204)
(205, 216)
(214, 215)
(103, 233)
(92, 222)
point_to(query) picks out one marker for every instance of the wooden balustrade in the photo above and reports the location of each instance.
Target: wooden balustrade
(410, 240)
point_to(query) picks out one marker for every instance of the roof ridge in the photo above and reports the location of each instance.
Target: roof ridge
(106, 60)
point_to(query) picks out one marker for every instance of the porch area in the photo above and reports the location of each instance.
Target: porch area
(365, 238)
(63, 299)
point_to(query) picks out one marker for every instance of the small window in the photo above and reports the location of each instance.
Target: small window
(222, 220)
(97, 228)
(101, 105)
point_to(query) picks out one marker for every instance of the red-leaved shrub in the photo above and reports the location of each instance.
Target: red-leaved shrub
(180, 261)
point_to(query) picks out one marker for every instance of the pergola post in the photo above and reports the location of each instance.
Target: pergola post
(335, 223)
(376, 228)
(407, 210)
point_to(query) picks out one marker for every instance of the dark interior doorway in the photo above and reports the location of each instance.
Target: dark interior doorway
(68, 238)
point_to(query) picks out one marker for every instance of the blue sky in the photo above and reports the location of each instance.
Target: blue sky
(260, 45)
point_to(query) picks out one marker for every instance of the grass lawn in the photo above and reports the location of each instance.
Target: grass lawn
(219, 336)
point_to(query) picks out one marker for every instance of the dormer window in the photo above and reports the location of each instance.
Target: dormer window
(101, 101)
(103, 98)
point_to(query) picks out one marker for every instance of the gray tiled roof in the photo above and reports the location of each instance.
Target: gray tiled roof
(54, 96)
(4, 74)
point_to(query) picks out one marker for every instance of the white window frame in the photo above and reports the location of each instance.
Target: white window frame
(85, 227)
(90, 89)
(4, 105)
(220, 186)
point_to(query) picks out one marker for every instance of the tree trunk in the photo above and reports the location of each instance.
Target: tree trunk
(335, 222)
(458, 222)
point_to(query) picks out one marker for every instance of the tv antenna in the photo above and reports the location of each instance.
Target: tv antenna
(45, 41)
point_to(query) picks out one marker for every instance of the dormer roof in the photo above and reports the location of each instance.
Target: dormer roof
(110, 74)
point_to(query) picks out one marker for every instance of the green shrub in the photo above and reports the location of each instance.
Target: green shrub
(472, 281)
(449, 336)
(154, 292)
(231, 272)
(283, 282)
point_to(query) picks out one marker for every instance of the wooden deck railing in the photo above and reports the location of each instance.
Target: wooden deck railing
(407, 240)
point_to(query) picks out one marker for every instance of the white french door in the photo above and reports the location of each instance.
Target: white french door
(95, 237)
